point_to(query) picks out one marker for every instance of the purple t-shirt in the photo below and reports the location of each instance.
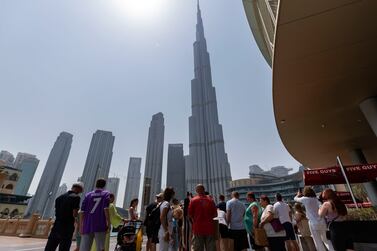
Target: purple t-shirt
(93, 207)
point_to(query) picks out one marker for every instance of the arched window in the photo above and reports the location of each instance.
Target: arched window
(13, 177)
(9, 186)
(14, 213)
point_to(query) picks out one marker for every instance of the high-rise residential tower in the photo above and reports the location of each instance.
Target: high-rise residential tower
(28, 163)
(153, 160)
(133, 181)
(112, 185)
(176, 170)
(98, 161)
(208, 162)
(43, 200)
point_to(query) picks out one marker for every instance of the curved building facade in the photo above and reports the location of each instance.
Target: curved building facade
(264, 184)
(323, 58)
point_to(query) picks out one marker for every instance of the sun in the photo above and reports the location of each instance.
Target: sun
(140, 9)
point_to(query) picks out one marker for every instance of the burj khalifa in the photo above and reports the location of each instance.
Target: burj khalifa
(207, 162)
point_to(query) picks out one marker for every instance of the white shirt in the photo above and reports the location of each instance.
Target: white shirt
(169, 216)
(282, 211)
(221, 217)
(237, 210)
(312, 205)
(267, 226)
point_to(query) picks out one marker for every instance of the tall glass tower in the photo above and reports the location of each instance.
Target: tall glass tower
(98, 161)
(44, 198)
(153, 160)
(207, 162)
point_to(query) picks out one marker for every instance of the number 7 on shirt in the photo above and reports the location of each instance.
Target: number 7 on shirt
(97, 201)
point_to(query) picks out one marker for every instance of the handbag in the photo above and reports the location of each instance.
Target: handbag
(260, 237)
(276, 225)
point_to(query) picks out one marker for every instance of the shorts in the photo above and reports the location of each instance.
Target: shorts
(288, 227)
(200, 243)
(224, 231)
(87, 241)
(152, 234)
(240, 239)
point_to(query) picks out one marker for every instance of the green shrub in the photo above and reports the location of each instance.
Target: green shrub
(362, 214)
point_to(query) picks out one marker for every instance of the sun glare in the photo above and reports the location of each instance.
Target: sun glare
(140, 9)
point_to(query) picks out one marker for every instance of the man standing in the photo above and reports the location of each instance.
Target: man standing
(235, 211)
(222, 204)
(95, 217)
(152, 222)
(201, 211)
(66, 209)
(283, 212)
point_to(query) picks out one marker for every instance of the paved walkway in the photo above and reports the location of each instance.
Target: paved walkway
(31, 244)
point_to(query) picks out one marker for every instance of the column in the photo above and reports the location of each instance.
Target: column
(369, 109)
(358, 157)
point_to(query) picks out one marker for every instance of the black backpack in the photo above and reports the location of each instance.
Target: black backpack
(153, 217)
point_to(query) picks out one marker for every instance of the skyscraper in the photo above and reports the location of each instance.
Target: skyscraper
(176, 170)
(133, 181)
(43, 200)
(98, 161)
(208, 162)
(153, 160)
(112, 185)
(61, 190)
(7, 157)
(28, 163)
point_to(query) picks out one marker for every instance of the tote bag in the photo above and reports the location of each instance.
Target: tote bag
(260, 237)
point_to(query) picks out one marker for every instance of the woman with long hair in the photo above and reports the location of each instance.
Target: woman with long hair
(302, 224)
(132, 211)
(317, 224)
(276, 240)
(165, 234)
(333, 209)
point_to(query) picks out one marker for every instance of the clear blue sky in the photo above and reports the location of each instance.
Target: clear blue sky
(80, 66)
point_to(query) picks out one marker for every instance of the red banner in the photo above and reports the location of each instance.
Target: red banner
(333, 175)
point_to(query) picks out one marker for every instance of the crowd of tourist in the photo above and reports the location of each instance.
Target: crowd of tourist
(197, 223)
(259, 226)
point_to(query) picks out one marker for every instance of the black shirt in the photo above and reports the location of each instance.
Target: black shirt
(222, 206)
(64, 206)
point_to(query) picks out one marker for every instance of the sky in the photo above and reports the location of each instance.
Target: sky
(79, 66)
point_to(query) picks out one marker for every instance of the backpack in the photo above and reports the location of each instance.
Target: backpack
(154, 217)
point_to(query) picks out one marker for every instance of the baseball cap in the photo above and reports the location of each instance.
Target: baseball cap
(160, 195)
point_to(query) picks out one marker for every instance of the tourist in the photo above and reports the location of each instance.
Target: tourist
(67, 206)
(95, 217)
(201, 211)
(302, 224)
(226, 243)
(283, 212)
(115, 220)
(317, 224)
(187, 223)
(222, 204)
(177, 223)
(152, 222)
(235, 211)
(165, 234)
(276, 239)
(252, 218)
(132, 211)
(333, 209)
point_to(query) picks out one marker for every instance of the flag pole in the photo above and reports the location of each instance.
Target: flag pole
(348, 184)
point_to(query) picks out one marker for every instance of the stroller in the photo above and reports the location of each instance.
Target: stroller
(130, 237)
